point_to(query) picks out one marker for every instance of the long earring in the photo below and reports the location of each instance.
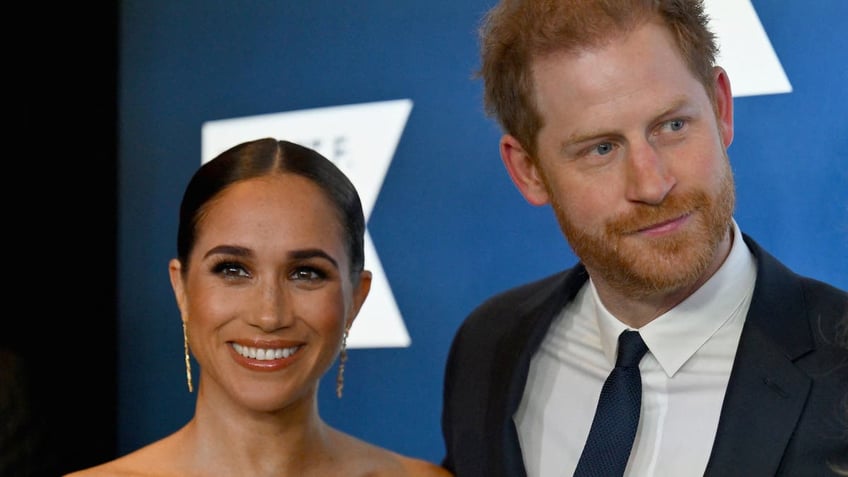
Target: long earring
(187, 360)
(342, 360)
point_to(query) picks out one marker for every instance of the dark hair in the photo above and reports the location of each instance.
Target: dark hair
(263, 157)
(516, 32)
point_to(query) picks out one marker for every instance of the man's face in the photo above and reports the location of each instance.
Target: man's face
(632, 158)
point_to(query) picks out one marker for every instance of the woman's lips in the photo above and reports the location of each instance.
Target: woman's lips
(265, 358)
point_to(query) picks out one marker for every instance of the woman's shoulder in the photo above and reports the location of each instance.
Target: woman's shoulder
(372, 460)
(422, 468)
(143, 462)
(120, 467)
(387, 463)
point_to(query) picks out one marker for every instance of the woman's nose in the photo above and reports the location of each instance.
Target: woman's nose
(273, 307)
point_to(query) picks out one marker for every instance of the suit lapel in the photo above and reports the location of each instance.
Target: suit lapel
(535, 316)
(766, 392)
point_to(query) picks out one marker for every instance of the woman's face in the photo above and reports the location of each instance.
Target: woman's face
(267, 296)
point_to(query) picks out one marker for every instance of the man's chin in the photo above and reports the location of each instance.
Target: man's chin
(645, 271)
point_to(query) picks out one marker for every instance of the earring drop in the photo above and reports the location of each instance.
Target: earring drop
(342, 360)
(187, 359)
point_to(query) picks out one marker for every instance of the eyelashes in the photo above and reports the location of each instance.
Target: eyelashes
(233, 270)
(230, 269)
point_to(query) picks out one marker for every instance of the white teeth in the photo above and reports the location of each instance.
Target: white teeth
(263, 354)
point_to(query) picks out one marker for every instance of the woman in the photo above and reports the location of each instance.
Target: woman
(268, 279)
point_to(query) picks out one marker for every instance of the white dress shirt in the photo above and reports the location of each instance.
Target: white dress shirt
(684, 376)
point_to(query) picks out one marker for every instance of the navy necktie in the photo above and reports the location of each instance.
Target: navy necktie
(617, 416)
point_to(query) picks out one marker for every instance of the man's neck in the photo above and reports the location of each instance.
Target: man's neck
(637, 312)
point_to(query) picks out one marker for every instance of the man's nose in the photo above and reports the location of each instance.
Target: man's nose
(649, 179)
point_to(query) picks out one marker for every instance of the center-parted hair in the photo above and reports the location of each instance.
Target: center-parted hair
(263, 157)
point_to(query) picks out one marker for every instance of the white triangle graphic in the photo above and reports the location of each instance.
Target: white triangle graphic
(361, 140)
(745, 49)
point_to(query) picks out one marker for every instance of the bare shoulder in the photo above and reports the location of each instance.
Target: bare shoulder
(369, 460)
(121, 467)
(422, 468)
(145, 462)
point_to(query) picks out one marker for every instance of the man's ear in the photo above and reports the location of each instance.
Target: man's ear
(723, 105)
(524, 171)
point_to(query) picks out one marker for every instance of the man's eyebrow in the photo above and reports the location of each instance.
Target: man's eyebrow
(577, 138)
(676, 105)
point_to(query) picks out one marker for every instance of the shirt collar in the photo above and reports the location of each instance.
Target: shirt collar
(676, 335)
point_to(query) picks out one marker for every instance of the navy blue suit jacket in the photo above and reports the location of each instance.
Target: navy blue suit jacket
(784, 412)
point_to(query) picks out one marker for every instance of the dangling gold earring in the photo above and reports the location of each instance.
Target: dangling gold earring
(342, 360)
(187, 359)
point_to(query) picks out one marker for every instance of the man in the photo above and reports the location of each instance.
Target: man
(615, 114)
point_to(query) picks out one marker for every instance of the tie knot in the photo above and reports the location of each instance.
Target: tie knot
(631, 348)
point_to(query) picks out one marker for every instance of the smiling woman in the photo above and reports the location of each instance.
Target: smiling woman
(269, 277)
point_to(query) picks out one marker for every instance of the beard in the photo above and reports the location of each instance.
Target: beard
(641, 266)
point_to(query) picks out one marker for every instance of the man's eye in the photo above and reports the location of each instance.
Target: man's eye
(604, 148)
(676, 124)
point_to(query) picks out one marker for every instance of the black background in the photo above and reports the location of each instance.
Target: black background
(60, 228)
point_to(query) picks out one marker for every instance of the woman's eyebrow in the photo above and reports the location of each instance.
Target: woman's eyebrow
(311, 253)
(228, 250)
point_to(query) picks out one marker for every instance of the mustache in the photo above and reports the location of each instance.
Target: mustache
(644, 215)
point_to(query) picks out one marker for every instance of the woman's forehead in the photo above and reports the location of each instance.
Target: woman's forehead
(279, 208)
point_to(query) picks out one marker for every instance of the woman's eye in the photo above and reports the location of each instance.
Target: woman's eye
(230, 269)
(307, 274)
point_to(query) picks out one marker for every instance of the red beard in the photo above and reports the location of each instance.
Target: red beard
(640, 266)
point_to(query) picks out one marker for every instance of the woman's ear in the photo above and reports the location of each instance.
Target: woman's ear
(175, 272)
(524, 171)
(360, 293)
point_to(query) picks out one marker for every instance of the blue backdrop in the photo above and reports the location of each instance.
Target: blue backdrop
(449, 226)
